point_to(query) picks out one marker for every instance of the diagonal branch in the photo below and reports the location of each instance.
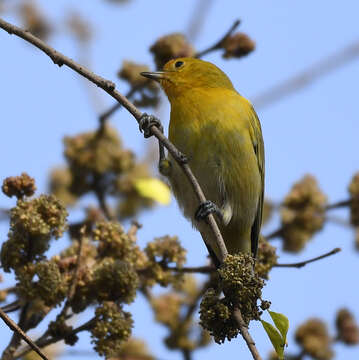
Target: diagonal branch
(12, 325)
(109, 87)
(218, 45)
(305, 262)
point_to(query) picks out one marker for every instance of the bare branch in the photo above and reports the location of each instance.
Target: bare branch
(195, 269)
(219, 43)
(109, 87)
(306, 77)
(12, 325)
(43, 341)
(339, 204)
(303, 263)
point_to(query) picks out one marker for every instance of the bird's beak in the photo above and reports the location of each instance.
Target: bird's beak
(156, 75)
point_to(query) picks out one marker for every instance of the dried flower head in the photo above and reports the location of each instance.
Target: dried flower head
(43, 281)
(313, 337)
(216, 316)
(302, 214)
(354, 196)
(160, 253)
(170, 47)
(96, 157)
(130, 72)
(241, 285)
(115, 280)
(79, 27)
(19, 186)
(133, 349)
(59, 185)
(112, 329)
(34, 21)
(238, 45)
(347, 328)
(167, 309)
(32, 224)
(266, 258)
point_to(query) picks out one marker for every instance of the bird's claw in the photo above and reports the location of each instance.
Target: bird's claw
(206, 208)
(146, 122)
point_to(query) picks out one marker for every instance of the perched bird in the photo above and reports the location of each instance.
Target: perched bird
(220, 133)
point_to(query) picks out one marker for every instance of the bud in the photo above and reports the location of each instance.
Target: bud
(313, 337)
(238, 45)
(19, 186)
(348, 330)
(302, 214)
(354, 195)
(171, 47)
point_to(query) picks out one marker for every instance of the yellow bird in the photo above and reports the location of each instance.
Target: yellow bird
(220, 133)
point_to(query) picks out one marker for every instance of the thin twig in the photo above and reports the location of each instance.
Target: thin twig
(274, 234)
(218, 45)
(109, 87)
(306, 77)
(134, 89)
(246, 335)
(132, 231)
(198, 16)
(339, 204)
(42, 342)
(12, 325)
(194, 269)
(106, 114)
(303, 263)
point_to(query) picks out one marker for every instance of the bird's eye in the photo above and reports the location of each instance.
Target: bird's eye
(178, 64)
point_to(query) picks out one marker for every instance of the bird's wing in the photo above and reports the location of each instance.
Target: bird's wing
(257, 140)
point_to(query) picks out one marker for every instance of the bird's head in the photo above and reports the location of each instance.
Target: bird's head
(185, 74)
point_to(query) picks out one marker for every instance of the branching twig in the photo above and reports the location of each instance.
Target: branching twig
(132, 231)
(303, 263)
(339, 204)
(12, 325)
(106, 114)
(344, 203)
(303, 79)
(218, 45)
(42, 342)
(109, 87)
(195, 269)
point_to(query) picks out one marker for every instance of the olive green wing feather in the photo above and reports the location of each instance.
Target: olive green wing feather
(258, 145)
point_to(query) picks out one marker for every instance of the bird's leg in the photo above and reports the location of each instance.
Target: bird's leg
(206, 208)
(146, 122)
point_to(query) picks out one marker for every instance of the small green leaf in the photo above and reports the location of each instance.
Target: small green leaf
(281, 322)
(154, 189)
(275, 338)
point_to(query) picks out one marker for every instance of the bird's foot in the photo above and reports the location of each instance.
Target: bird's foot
(206, 208)
(146, 122)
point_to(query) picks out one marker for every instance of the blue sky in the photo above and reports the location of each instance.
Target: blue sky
(312, 131)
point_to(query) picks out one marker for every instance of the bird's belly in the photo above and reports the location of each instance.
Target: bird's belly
(226, 182)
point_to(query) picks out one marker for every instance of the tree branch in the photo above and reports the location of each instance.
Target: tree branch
(43, 341)
(306, 77)
(303, 263)
(109, 87)
(219, 43)
(12, 325)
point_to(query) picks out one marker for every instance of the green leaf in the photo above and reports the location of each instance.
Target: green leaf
(281, 322)
(275, 338)
(154, 189)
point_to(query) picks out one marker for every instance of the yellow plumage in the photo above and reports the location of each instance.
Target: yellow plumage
(219, 131)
